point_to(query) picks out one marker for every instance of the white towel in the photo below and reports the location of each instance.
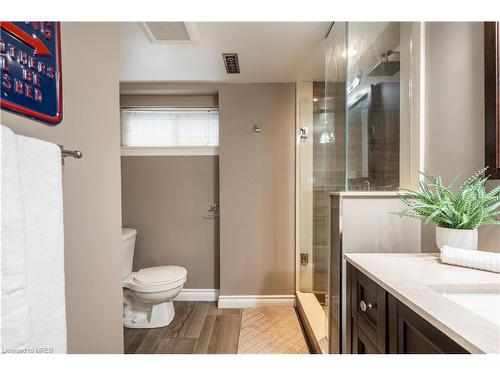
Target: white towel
(15, 320)
(41, 184)
(481, 260)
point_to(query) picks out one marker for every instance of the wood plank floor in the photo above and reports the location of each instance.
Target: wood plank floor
(197, 328)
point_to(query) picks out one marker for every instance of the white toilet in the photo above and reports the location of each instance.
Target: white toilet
(148, 293)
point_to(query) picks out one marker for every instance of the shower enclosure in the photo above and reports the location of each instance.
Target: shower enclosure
(355, 132)
(313, 185)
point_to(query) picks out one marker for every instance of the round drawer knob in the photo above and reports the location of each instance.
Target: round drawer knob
(365, 306)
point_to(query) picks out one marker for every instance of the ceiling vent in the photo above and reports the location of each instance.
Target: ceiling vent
(231, 63)
(170, 32)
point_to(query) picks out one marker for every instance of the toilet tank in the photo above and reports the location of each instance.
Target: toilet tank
(128, 245)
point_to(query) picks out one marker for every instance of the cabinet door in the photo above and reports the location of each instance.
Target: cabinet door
(362, 344)
(411, 334)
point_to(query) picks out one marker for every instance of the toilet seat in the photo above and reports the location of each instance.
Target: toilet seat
(159, 275)
(156, 279)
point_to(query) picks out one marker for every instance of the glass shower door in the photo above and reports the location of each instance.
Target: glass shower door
(305, 188)
(313, 208)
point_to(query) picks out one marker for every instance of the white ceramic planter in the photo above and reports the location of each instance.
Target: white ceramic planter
(460, 238)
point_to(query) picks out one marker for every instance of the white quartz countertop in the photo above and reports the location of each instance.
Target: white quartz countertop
(461, 302)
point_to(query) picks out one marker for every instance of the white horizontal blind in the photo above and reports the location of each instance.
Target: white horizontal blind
(169, 127)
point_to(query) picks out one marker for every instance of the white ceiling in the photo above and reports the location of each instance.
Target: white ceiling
(267, 52)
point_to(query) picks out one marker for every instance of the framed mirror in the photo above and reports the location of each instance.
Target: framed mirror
(491, 99)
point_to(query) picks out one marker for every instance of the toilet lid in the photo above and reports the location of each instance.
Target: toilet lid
(159, 275)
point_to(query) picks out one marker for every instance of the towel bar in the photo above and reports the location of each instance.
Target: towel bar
(74, 154)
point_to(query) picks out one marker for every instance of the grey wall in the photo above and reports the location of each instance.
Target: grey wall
(165, 199)
(455, 110)
(257, 187)
(92, 214)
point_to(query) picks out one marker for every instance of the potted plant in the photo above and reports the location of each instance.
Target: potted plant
(457, 215)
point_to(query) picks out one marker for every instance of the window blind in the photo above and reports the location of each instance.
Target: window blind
(169, 127)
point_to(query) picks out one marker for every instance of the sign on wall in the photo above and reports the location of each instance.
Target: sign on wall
(30, 63)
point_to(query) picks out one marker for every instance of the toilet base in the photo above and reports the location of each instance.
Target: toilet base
(153, 316)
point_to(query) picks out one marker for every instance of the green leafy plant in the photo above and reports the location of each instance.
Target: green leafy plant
(470, 207)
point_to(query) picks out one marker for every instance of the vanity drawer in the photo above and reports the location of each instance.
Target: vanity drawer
(366, 302)
(369, 310)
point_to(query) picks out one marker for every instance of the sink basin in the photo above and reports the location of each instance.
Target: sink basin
(483, 300)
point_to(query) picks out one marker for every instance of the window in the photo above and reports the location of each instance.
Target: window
(169, 131)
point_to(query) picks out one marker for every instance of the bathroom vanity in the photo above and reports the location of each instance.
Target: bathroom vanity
(412, 303)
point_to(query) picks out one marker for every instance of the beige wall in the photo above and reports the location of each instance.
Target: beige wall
(169, 101)
(257, 189)
(92, 214)
(169, 88)
(165, 199)
(455, 110)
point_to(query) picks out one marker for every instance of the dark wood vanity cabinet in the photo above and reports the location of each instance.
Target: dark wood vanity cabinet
(378, 323)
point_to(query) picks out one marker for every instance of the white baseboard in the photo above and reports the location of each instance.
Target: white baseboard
(239, 302)
(227, 302)
(198, 295)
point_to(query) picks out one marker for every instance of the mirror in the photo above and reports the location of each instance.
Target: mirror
(491, 99)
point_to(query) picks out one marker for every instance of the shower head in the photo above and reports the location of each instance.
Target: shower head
(385, 68)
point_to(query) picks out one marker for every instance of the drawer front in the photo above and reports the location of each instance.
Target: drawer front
(368, 309)
(366, 304)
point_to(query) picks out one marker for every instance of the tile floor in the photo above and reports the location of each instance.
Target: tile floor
(271, 330)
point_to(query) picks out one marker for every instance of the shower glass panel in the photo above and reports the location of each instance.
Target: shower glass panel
(353, 134)
(368, 112)
(335, 113)
(335, 152)
(321, 176)
(377, 84)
